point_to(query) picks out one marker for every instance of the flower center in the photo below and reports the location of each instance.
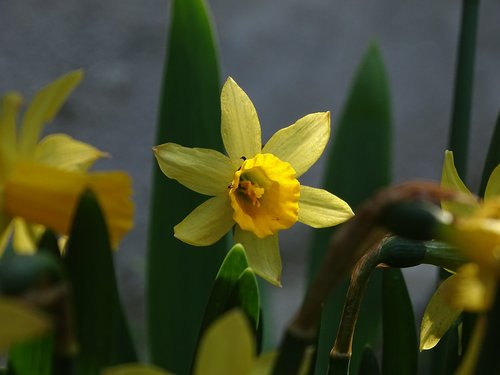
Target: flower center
(264, 195)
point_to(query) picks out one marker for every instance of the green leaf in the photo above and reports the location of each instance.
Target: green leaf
(91, 272)
(246, 297)
(33, 357)
(493, 158)
(400, 348)
(368, 364)
(227, 278)
(464, 79)
(235, 287)
(189, 115)
(359, 164)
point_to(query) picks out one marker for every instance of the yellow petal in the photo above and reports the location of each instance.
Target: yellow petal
(472, 289)
(227, 348)
(263, 254)
(134, 369)
(264, 364)
(5, 231)
(202, 170)
(207, 223)
(320, 209)
(451, 180)
(240, 126)
(26, 236)
(302, 143)
(438, 317)
(9, 108)
(493, 185)
(48, 196)
(19, 322)
(44, 107)
(64, 152)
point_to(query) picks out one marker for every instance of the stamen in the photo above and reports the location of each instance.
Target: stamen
(253, 191)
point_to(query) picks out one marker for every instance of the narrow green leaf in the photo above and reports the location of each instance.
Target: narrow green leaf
(493, 158)
(33, 357)
(464, 79)
(189, 115)
(445, 355)
(235, 287)
(400, 347)
(359, 164)
(227, 278)
(368, 364)
(91, 272)
(246, 297)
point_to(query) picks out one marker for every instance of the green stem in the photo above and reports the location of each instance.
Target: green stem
(488, 362)
(464, 78)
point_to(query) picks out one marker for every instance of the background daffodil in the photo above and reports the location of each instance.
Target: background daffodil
(41, 180)
(476, 232)
(254, 188)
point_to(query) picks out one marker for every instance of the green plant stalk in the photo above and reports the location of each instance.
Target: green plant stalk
(341, 352)
(365, 124)
(488, 362)
(464, 81)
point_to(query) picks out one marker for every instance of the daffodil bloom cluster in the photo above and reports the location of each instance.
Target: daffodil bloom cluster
(475, 231)
(255, 188)
(41, 180)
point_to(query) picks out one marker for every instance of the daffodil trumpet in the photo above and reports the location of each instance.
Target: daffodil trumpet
(253, 188)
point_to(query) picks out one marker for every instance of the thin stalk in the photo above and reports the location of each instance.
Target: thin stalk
(342, 349)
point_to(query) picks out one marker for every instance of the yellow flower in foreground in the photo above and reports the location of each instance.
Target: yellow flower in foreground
(41, 180)
(255, 187)
(476, 232)
(227, 348)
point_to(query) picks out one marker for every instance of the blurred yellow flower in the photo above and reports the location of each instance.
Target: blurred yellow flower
(476, 232)
(41, 180)
(227, 348)
(254, 187)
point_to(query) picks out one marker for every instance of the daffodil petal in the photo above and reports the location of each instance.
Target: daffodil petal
(19, 322)
(472, 289)
(202, 170)
(302, 143)
(452, 181)
(48, 196)
(134, 369)
(493, 185)
(240, 127)
(263, 254)
(207, 223)
(227, 348)
(320, 209)
(26, 236)
(44, 107)
(5, 231)
(65, 152)
(438, 316)
(9, 108)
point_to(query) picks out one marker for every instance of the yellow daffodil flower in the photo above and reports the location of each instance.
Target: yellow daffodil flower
(254, 188)
(476, 232)
(41, 180)
(227, 348)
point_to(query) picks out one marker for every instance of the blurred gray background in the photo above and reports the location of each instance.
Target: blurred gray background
(291, 57)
